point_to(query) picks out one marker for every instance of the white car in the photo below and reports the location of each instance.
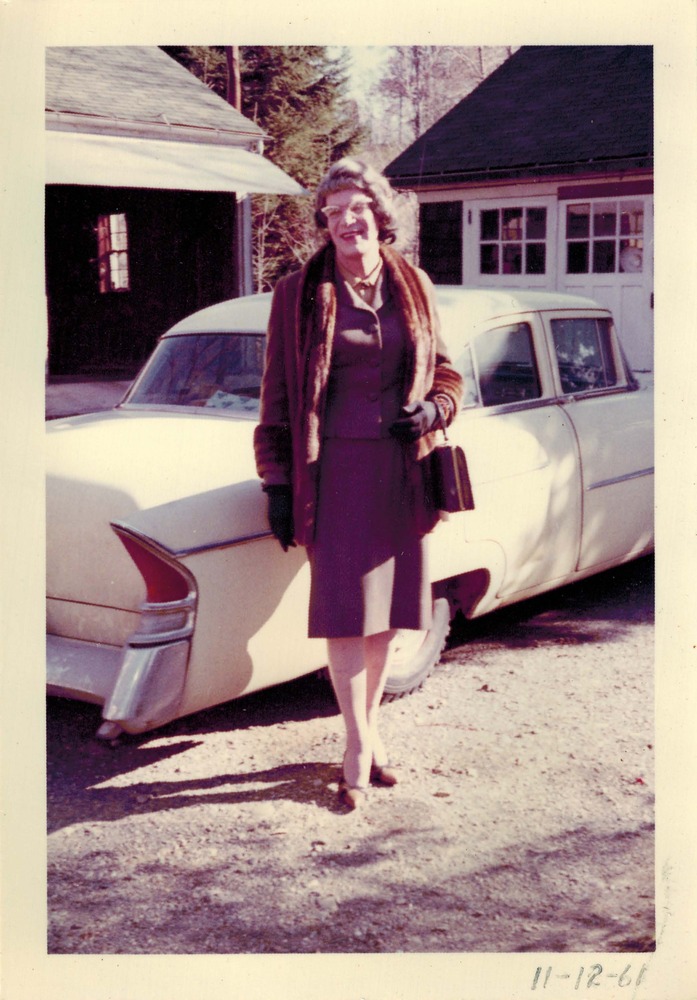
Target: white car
(166, 591)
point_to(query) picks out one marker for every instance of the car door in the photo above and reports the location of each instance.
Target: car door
(522, 457)
(613, 423)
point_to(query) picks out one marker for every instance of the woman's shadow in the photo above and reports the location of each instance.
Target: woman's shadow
(307, 783)
(80, 768)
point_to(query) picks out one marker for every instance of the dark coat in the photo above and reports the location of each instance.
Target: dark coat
(288, 439)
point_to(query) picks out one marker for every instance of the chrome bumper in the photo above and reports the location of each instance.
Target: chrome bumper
(86, 671)
(149, 688)
(140, 686)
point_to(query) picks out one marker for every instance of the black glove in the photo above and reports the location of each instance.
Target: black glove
(280, 512)
(416, 420)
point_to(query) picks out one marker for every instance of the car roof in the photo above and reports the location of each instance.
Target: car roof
(250, 313)
(488, 303)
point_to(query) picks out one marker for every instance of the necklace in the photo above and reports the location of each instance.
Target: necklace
(358, 279)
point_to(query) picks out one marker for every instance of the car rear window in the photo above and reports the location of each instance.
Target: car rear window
(221, 371)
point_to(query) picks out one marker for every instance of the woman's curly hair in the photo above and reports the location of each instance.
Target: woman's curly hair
(351, 172)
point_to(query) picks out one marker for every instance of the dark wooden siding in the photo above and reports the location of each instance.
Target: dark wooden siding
(181, 259)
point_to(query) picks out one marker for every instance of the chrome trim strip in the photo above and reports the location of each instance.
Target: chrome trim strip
(610, 390)
(194, 549)
(620, 479)
(225, 544)
(152, 612)
(478, 410)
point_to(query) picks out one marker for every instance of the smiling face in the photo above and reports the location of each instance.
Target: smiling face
(352, 228)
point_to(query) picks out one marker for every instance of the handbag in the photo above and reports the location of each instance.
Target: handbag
(452, 489)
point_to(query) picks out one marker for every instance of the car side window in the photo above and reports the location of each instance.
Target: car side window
(506, 365)
(583, 347)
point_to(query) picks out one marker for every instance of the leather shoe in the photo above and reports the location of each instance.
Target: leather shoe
(383, 775)
(351, 795)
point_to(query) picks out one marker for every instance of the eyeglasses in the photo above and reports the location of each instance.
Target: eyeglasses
(358, 209)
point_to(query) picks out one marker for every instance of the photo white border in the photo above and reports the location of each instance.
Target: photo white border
(26, 27)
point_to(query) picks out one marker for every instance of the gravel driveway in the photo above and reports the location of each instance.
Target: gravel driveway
(523, 823)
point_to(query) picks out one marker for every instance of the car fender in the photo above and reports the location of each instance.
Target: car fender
(204, 521)
(250, 592)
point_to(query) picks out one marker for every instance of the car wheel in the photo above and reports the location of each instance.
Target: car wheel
(417, 653)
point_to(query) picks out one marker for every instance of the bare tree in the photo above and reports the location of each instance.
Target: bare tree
(420, 84)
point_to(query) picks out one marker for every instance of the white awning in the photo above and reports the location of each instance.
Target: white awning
(117, 161)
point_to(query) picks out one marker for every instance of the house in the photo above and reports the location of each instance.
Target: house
(542, 177)
(147, 177)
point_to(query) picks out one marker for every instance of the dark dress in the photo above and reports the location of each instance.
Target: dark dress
(368, 560)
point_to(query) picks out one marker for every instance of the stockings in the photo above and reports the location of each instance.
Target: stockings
(358, 666)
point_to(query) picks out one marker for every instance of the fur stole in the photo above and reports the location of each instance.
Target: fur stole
(315, 323)
(287, 439)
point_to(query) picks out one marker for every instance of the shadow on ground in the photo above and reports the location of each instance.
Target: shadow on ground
(559, 895)
(596, 609)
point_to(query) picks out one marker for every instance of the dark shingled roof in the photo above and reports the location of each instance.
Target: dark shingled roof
(547, 110)
(135, 84)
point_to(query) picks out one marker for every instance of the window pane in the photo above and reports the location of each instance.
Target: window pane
(535, 258)
(577, 258)
(119, 272)
(112, 252)
(536, 224)
(604, 219)
(119, 240)
(584, 354)
(506, 364)
(577, 221)
(631, 256)
(489, 224)
(512, 226)
(512, 258)
(603, 256)
(631, 218)
(489, 258)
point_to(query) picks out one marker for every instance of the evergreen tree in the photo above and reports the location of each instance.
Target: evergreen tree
(207, 62)
(297, 95)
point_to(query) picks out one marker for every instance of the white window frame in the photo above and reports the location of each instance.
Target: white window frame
(113, 253)
(472, 242)
(635, 241)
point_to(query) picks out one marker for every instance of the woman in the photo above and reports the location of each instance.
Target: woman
(356, 381)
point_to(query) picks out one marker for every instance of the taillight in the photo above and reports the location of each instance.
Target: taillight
(168, 611)
(163, 580)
